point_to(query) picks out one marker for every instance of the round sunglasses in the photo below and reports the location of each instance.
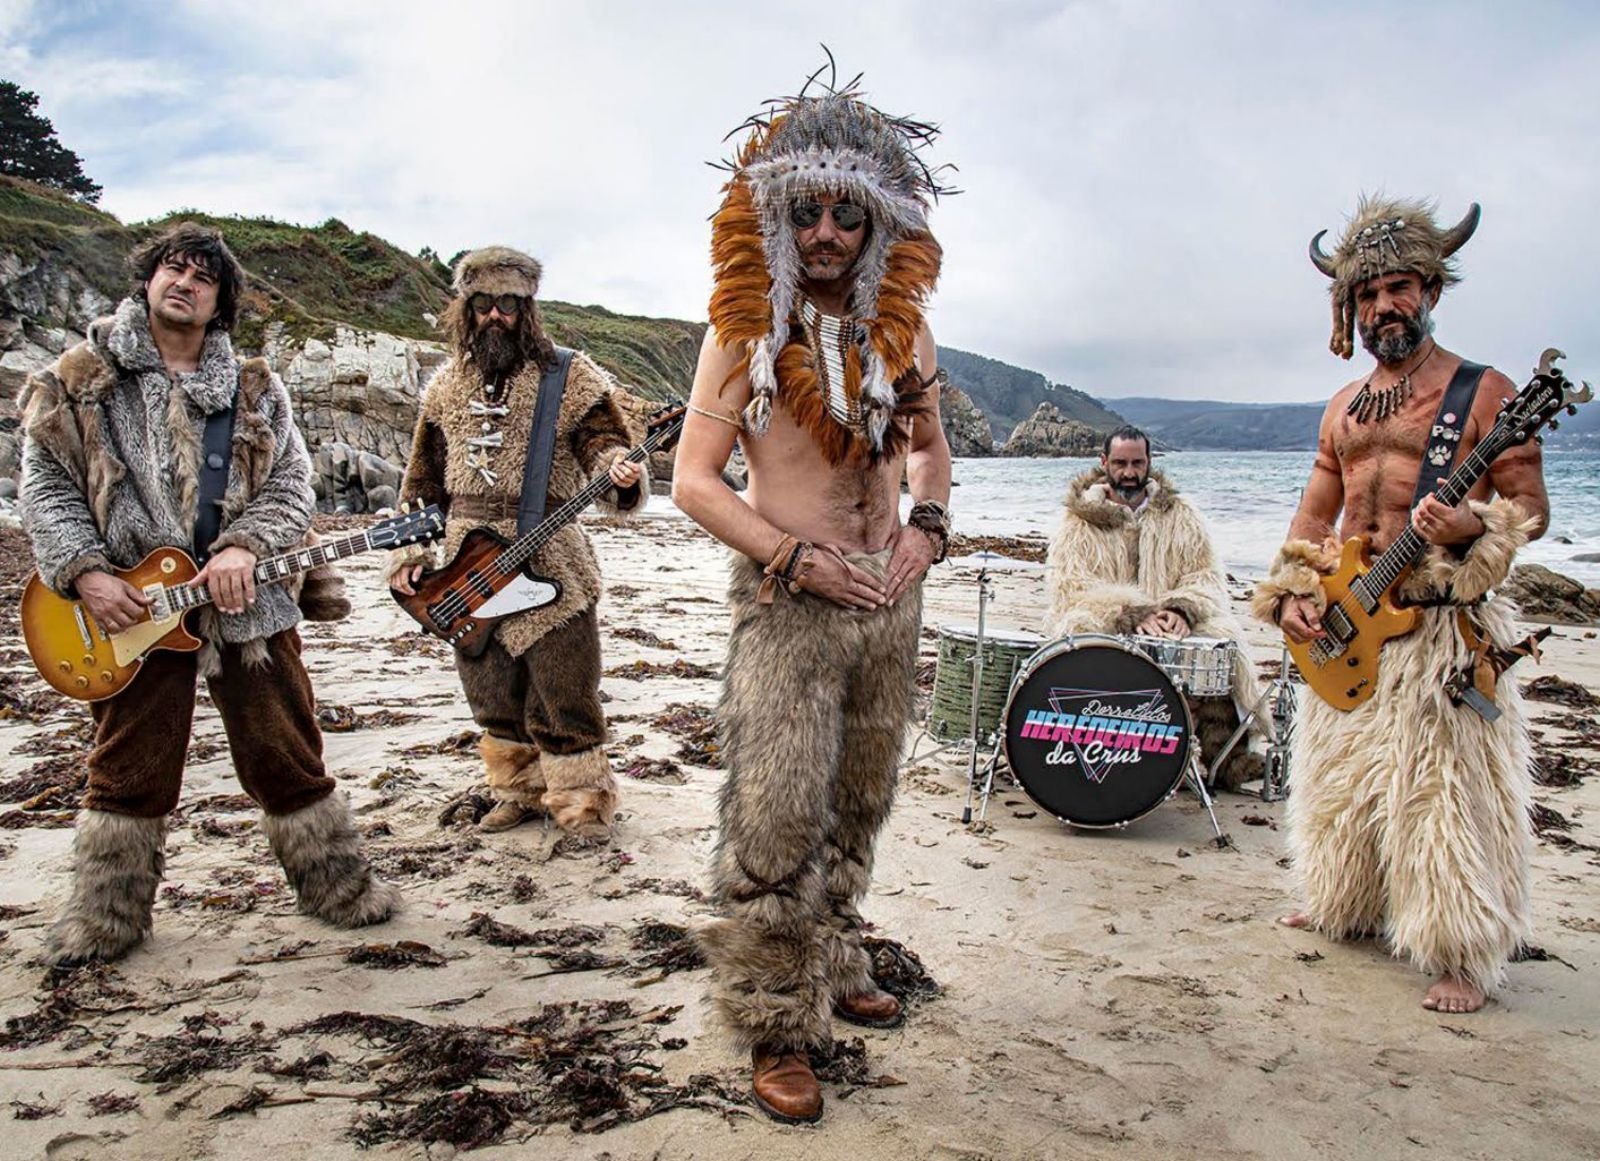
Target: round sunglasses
(482, 303)
(846, 216)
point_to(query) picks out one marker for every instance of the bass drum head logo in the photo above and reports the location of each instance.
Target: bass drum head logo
(1097, 734)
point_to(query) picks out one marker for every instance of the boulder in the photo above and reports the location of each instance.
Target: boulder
(1048, 433)
(965, 427)
(348, 480)
(1545, 595)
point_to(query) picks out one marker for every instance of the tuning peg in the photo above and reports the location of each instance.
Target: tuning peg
(1572, 409)
(1555, 424)
(1539, 439)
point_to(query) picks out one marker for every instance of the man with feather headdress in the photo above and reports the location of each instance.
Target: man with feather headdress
(820, 363)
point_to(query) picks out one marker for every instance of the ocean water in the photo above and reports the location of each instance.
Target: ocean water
(1248, 499)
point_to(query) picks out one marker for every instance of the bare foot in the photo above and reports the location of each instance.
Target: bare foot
(1297, 919)
(1455, 995)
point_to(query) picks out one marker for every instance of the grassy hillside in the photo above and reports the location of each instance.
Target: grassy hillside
(1008, 395)
(311, 278)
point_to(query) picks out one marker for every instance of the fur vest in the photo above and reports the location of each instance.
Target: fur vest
(1111, 567)
(111, 463)
(590, 427)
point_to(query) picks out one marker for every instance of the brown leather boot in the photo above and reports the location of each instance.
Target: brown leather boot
(505, 815)
(874, 1009)
(785, 1087)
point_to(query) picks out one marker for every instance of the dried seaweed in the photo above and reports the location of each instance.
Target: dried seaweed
(108, 1104)
(168, 1061)
(644, 670)
(464, 742)
(642, 637)
(1550, 688)
(696, 727)
(668, 948)
(25, 1111)
(467, 1120)
(1554, 766)
(405, 953)
(496, 934)
(656, 770)
(898, 970)
(66, 994)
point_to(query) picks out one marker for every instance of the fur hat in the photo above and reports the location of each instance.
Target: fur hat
(498, 270)
(833, 143)
(1387, 236)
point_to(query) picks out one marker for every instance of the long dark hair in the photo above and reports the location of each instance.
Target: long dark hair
(202, 245)
(456, 321)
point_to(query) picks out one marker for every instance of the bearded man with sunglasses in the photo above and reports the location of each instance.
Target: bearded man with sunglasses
(535, 690)
(820, 364)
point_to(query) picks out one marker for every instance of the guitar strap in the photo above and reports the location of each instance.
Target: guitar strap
(542, 442)
(216, 454)
(1444, 442)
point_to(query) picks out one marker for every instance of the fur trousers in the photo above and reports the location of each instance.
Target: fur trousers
(814, 709)
(1409, 814)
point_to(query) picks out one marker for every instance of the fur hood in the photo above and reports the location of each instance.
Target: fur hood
(1089, 498)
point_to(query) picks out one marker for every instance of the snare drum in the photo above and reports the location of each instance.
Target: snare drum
(1096, 732)
(1004, 651)
(1200, 666)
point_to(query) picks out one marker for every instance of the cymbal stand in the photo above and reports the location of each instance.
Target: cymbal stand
(1275, 711)
(985, 591)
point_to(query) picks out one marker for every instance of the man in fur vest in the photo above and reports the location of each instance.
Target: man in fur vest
(110, 470)
(1408, 815)
(1132, 556)
(820, 363)
(536, 689)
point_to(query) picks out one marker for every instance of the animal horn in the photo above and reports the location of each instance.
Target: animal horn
(1463, 230)
(1320, 260)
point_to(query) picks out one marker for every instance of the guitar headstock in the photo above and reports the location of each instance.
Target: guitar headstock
(408, 526)
(1545, 397)
(666, 423)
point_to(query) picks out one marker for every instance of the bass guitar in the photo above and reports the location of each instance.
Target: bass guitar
(80, 659)
(1361, 614)
(489, 579)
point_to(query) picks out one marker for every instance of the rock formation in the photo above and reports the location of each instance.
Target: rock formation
(1047, 433)
(965, 427)
(1544, 595)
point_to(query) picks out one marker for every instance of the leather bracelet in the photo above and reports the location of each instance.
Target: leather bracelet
(787, 568)
(932, 517)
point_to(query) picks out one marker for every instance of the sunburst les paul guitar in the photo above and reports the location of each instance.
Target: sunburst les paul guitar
(489, 579)
(80, 659)
(1342, 667)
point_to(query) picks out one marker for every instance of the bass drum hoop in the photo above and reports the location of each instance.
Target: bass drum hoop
(1068, 644)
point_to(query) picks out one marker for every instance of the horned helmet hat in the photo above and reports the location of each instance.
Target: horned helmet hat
(1387, 236)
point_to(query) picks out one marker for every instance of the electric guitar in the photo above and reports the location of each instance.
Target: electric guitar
(489, 580)
(1342, 667)
(80, 659)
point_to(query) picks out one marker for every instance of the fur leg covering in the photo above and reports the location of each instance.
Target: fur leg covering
(1215, 720)
(582, 795)
(877, 708)
(117, 865)
(321, 856)
(512, 771)
(1413, 811)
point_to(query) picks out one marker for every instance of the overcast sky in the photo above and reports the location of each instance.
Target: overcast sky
(1140, 178)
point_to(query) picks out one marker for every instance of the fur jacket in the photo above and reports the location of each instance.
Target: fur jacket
(590, 427)
(111, 454)
(1111, 567)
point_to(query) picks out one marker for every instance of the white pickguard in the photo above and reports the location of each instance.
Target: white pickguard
(520, 594)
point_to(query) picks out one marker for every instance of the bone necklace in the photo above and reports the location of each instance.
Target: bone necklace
(1386, 401)
(490, 412)
(830, 337)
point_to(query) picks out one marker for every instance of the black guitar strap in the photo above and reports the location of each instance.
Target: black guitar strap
(542, 442)
(216, 455)
(1444, 442)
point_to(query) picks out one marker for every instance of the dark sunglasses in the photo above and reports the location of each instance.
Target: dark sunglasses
(804, 215)
(482, 303)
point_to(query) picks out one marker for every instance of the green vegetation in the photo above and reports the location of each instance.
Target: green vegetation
(30, 149)
(1008, 395)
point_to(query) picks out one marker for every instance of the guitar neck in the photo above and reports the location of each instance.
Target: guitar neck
(522, 550)
(1408, 547)
(279, 568)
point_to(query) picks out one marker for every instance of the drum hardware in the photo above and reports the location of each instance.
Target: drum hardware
(1274, 710)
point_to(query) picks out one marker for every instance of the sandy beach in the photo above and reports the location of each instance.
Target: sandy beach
(1102, 995)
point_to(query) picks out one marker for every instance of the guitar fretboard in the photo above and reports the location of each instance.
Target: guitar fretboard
(278, 568)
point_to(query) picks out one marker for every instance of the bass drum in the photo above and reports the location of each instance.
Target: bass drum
(1096, 732)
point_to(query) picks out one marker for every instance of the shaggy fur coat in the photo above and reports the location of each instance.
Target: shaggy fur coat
(1111, 567)
(590, 427)
(1408, 816)
(110, 463)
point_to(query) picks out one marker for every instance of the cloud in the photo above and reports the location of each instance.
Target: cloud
(1140, 177)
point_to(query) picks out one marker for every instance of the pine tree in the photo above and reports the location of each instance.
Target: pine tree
(29, 149)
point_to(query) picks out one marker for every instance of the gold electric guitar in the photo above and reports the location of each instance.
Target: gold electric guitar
(80, 659)
(1342, 667)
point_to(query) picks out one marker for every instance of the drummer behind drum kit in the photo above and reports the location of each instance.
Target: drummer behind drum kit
(1095, 728)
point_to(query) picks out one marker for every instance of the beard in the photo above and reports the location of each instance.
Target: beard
(1397, 348)
(826, 262)
(1130, 487)
(496, 351)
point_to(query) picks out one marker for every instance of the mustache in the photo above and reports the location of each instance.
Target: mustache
(818, 249)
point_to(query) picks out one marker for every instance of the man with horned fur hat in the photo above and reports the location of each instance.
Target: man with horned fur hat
(536, 689)
(110, 472)
(820, 363)
(1409, 814)
(1133, 556)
